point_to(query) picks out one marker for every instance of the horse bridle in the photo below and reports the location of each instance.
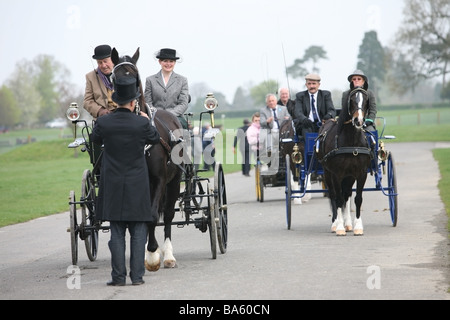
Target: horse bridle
(359, 91)
(138, 79)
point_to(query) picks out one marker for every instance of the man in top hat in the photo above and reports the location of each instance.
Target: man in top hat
(312, 107)
(124, 189)
(168, 90)
(359, 79)
(99, 88)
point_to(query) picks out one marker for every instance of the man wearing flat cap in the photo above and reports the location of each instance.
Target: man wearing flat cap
(124, 189)
(312, 107)
(99, 88)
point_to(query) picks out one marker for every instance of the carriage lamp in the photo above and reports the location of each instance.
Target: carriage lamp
(211, 102)
(73, 114)
(297, 157)
(382, 153)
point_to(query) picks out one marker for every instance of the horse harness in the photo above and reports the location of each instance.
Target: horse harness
(166, 145)
(355, 151)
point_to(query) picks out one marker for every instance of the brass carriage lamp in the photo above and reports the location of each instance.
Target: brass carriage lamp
(73, 114)
(211, 104)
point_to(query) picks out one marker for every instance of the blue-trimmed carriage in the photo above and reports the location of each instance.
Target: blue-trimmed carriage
(308, 165)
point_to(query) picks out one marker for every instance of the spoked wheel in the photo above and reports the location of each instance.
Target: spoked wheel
(89, 230)
(212, 224)
(73, 227)
(220, 207)
(288, 193)
(392, 184)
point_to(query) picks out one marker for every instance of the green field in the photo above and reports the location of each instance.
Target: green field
(36, 177)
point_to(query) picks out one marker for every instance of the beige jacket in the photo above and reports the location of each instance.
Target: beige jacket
(96, 95)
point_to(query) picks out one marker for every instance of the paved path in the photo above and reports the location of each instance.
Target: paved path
(264, 260)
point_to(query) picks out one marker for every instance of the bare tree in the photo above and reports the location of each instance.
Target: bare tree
(424, 39)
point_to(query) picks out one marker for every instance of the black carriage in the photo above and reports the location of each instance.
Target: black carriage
(204, 203)
(308, 167)
(269, 174)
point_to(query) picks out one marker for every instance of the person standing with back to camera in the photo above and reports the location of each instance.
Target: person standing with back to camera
(124, 188)
(166, 89)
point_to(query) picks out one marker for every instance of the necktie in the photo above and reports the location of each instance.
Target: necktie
(313, 108)
(276, 118)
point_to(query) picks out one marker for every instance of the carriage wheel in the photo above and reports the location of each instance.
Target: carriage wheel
(259, 183)
(88, 197)
(212, 224)
(257, 178)
(73, 227)
(288, 193)
(392, 184)
(220, 208)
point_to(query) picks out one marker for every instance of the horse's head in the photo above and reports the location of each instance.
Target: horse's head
(125, 66)
(116, 59)
(357, 106)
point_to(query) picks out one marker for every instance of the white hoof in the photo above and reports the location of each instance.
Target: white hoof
(169, 259)
(334, 226)
(297, 201)
(152, 260)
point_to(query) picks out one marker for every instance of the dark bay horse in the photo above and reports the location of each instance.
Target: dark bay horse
(164, 174)
(345, 155)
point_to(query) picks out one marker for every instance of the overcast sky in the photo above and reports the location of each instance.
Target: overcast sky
(224, 43)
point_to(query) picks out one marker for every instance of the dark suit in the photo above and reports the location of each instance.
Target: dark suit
(124, 190)
(244, 147)
(324, 106)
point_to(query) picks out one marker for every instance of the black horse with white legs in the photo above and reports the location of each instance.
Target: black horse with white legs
(164, 174)
(345, 154)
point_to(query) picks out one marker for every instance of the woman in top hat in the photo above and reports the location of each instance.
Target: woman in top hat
(168, 90)
(359, 79)
(124, 189)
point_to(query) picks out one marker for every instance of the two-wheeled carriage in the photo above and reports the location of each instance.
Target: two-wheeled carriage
(308, 165)
(203, 203)
(270, 167)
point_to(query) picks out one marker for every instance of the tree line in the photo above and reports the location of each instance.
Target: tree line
(39, 90)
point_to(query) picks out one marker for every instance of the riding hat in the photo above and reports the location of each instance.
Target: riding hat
(361, 74)
(102, 52)
(167, 53)
(125, 90)
(313, 77)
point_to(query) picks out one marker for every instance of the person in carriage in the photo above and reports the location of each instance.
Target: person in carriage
(359, 80)
(312, 107)
(272, 117)
(99, 88)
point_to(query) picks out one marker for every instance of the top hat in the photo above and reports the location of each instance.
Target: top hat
(125, 90)
(102, 52)
(313, 77)
(167, 53)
